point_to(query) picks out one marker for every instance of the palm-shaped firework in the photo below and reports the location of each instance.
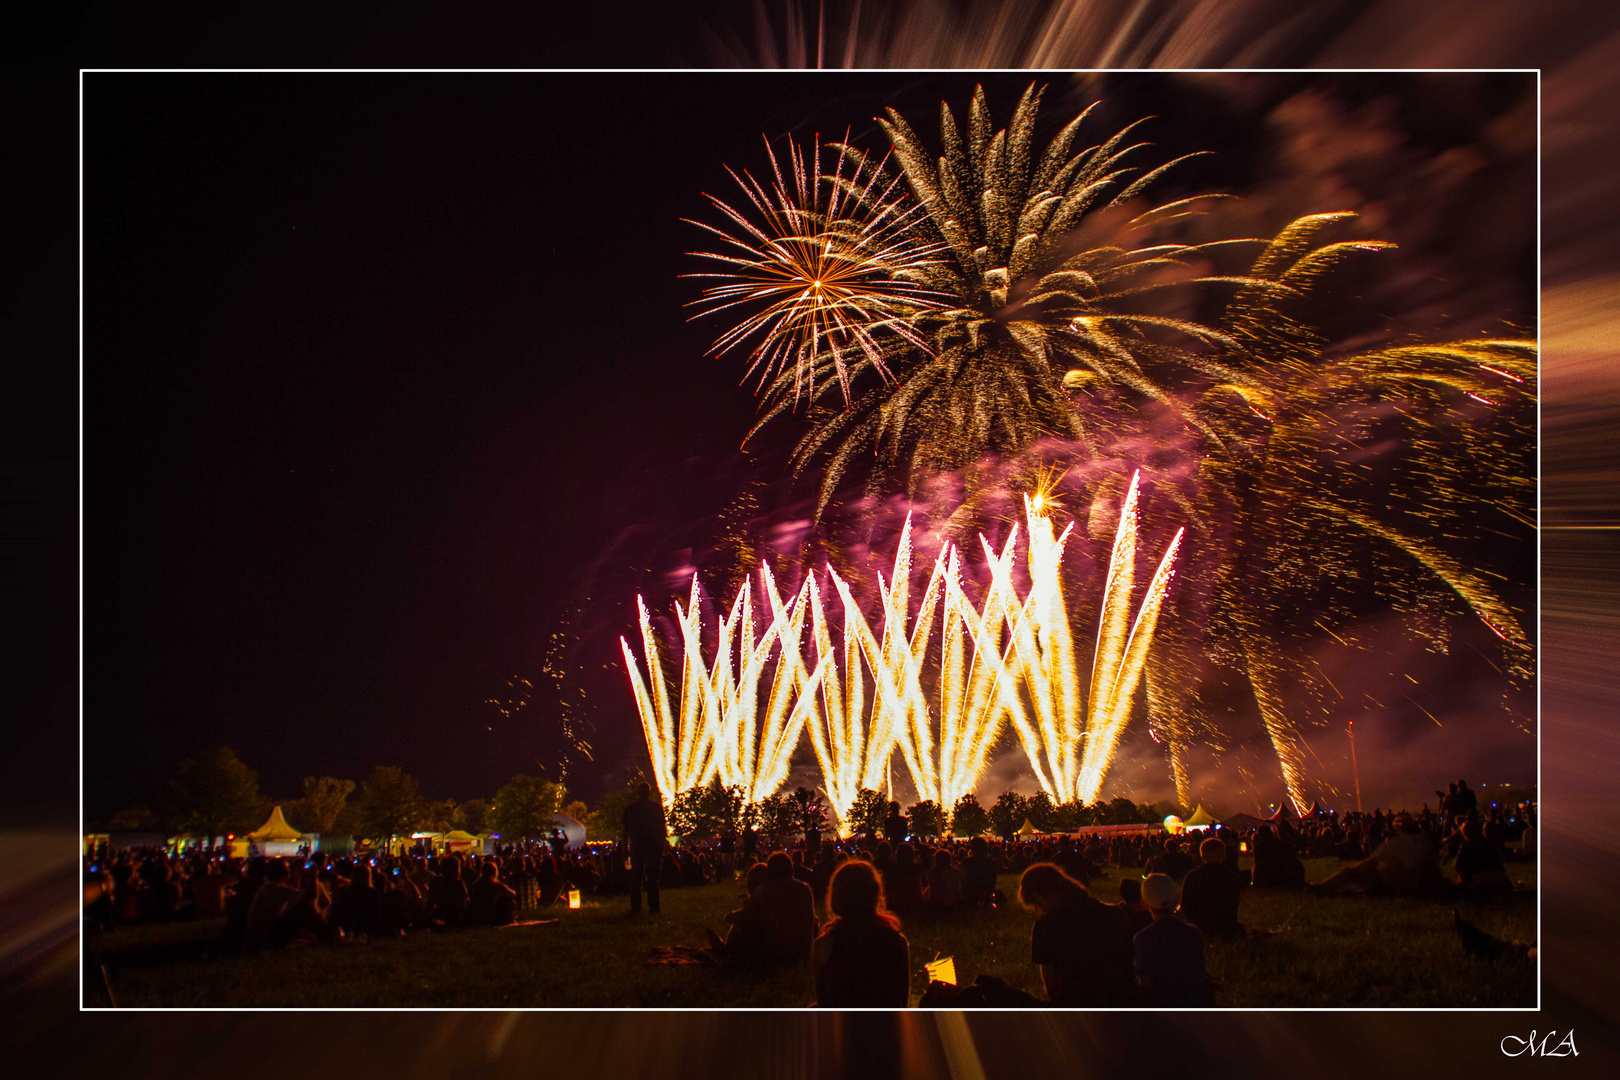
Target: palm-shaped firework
(1020, 316)
(993, 326)
(830, 275)
(1292, 510)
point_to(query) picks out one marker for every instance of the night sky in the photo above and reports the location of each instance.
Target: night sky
(383, 374)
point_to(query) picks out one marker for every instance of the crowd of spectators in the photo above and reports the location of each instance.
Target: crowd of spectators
(840, 905)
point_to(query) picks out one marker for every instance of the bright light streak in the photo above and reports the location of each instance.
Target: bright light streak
(866, 697)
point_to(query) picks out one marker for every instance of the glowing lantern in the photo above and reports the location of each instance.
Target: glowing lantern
(573, 899)
(1243, 845)
(942, 971)
(1173, 825)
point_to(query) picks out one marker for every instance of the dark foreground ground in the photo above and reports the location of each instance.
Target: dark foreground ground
(1312, 952)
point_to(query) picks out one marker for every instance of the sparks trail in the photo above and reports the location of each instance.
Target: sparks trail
(744, 706)
(997, 314)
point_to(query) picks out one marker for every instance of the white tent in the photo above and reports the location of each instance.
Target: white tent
(276, 837)
(572, 828)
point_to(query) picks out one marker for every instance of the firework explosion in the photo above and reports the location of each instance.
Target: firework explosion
(830, 270)
(1020, 320)
(743, 710)
(1014, 336)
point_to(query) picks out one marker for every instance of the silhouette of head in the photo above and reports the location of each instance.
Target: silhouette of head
(856, 891)
(1159, 892)
(1046, 888)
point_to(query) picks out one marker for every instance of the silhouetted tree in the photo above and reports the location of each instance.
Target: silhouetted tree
(927, 819)
(1007, 815)
(867, 812)
(968, 818)
(322, 803)
(522, 809)
(214, 794)
(390, 804)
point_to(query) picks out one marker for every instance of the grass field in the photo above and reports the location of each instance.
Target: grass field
(1358, 952)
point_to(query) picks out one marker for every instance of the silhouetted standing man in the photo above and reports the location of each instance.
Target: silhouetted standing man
(895, 825)
(644, 832)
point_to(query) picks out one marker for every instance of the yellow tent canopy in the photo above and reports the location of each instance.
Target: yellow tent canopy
(1200, 817)
(276, 828)
(457, 836)
(1028, 829)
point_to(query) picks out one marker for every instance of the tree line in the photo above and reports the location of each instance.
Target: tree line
(703, 812)
(215, 793)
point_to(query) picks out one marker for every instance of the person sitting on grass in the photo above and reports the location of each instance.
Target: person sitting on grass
(548, 881)
(1210, 895)
(882, 858)
(669, 872)
(979, 874)
(1137, 915)
(491, 902)
(446, 893)
(1275, 867)
(785, 909)
(583, 876)
(1233, 846)
(1074, 862)
(402, 906)
(944, 882)
(903, 881)
(1174, 863)
(270, 903)
(826, 862)
(1406, 864)
(162, 895)
(208, 890)
(692, 872)
(1169, 960)
(359, 905)
(744, 943)
(1079, 943)
(861, 959)
(1479, 863)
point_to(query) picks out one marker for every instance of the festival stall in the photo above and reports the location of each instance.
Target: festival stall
(1286, 814)
(276, 837)
(1200, 819)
